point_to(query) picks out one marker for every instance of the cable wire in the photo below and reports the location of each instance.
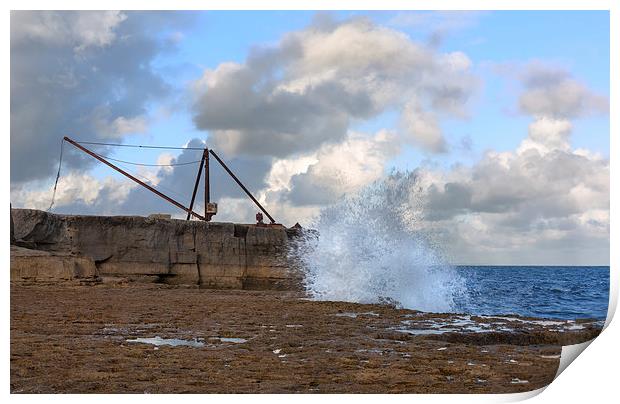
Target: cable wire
(152, 184)
(62, 143)
(142, 146)
(148, 165)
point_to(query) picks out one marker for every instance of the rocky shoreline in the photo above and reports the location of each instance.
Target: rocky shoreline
(135, 337)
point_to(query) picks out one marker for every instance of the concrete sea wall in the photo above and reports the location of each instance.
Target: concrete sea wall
(218, 255)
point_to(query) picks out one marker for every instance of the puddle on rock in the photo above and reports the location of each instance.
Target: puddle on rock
(157, 341)
(355, 315)
(481, 324)
(232, 340)
(425, 331)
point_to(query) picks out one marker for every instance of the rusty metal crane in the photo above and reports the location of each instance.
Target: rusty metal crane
(210, 208)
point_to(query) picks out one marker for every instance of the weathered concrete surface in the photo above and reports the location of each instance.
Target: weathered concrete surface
(218, 255)
(36, 265)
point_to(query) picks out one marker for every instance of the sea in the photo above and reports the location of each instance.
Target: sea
(558, 292)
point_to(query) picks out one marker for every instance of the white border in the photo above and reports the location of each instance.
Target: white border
(593, 377)
(313, 5)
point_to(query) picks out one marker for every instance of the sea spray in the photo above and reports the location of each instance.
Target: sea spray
(368, 248)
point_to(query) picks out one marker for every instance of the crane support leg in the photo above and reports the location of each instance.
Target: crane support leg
(234, 177)
(191, 204)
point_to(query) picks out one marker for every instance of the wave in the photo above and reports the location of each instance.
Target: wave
(369, 248)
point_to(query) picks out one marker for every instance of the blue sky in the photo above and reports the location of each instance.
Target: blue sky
(575, 40)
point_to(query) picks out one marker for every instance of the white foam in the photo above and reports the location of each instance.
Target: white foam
(370, 249)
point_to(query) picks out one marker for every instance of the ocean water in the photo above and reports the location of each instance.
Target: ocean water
(560, 292)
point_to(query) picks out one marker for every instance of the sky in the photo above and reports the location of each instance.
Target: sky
(501, 117)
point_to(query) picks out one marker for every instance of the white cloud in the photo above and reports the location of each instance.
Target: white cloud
(343, 168)
(305, 91)
(552, 92)
(78, 29)
(119, 127)
(547, 134)
(73, 188)
(422, 128)
(86, 74)
(544, 203)
(123, 126)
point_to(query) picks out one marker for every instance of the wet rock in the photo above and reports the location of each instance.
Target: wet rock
(72, 339)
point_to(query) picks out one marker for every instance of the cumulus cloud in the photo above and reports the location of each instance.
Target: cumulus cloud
(85, 74)
(77, 193)
(553, 92)
(546, 134)
(522, 207)
(305, 92)
(422, 128)
(529, 183)
(342, 168)
(79, 30)
(544, 203)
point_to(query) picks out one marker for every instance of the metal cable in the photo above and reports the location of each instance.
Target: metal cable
(148, 165)
(142, 146)
(62, 142)
(150, 182)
